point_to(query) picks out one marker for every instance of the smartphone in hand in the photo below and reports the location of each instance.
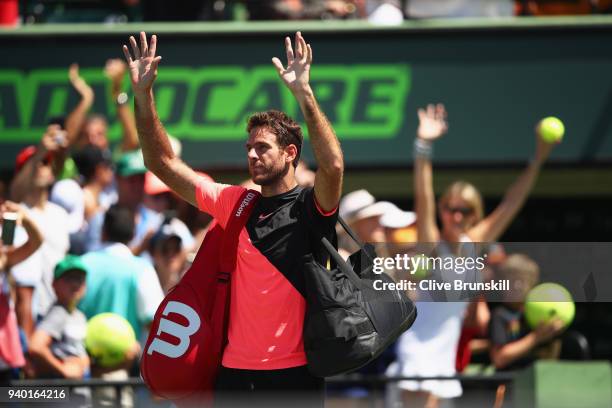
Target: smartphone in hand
(9, 221)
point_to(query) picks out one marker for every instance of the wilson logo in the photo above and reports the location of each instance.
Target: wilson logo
(244, 203)
(180, 332)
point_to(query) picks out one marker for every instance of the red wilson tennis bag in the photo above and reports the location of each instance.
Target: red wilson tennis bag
(185, 345)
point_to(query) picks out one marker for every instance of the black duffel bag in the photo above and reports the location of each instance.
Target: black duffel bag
(348, 323)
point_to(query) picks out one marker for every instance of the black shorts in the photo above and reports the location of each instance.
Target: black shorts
(290, 387)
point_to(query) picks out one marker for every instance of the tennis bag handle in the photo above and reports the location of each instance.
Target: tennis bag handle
(185, 345)
(341, 263)
(337, 259)
(350, 232)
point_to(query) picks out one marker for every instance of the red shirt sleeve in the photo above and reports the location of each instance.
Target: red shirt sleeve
(217, 199)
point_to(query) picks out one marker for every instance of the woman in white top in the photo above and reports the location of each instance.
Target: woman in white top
(429, 348)
(11, 354)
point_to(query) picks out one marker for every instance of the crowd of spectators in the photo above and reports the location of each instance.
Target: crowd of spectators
(99, 233)
(376, 11)
(451, 327)
(95, 233)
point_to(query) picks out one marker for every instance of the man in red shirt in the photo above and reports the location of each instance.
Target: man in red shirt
(264, 358)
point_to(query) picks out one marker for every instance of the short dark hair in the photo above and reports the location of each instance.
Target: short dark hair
(57, 120)
(118, 224)
(287, 130)
(88, 158)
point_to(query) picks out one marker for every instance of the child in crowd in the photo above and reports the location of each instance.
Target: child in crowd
(57, 348)
(514, 344)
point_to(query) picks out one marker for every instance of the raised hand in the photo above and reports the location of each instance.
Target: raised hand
(297, 73)
(54, 139)
(115, 70)
(543, 148)
(143, 67)
(432, 122)
(79, 83)
(9, 206)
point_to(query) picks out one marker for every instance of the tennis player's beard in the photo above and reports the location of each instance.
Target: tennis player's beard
(274, 176)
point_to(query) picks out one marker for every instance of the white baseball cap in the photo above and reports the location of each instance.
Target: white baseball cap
(360, 204)
(68, 194)
(396, 218)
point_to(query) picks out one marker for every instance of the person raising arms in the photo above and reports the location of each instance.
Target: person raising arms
(265, 351)
(430, 347)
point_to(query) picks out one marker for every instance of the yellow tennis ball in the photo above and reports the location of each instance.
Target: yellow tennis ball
(551, 129)
(109, 337)
(547, 301)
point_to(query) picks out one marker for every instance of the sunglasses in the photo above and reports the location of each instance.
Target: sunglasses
(465, 211)
(48, 160)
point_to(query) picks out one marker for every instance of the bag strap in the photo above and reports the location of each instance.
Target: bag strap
(350, 232)
(363, 247)
(336, 260)
(236, 221)
(341, 264)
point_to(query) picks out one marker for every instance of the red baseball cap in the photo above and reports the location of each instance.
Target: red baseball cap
(26, 154)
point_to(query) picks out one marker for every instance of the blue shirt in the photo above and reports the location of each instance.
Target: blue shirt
(121, 283)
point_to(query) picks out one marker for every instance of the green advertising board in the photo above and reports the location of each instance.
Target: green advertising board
(496, 81)
(213, 104)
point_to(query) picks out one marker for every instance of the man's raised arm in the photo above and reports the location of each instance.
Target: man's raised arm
(325, 145)
(156, 149)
